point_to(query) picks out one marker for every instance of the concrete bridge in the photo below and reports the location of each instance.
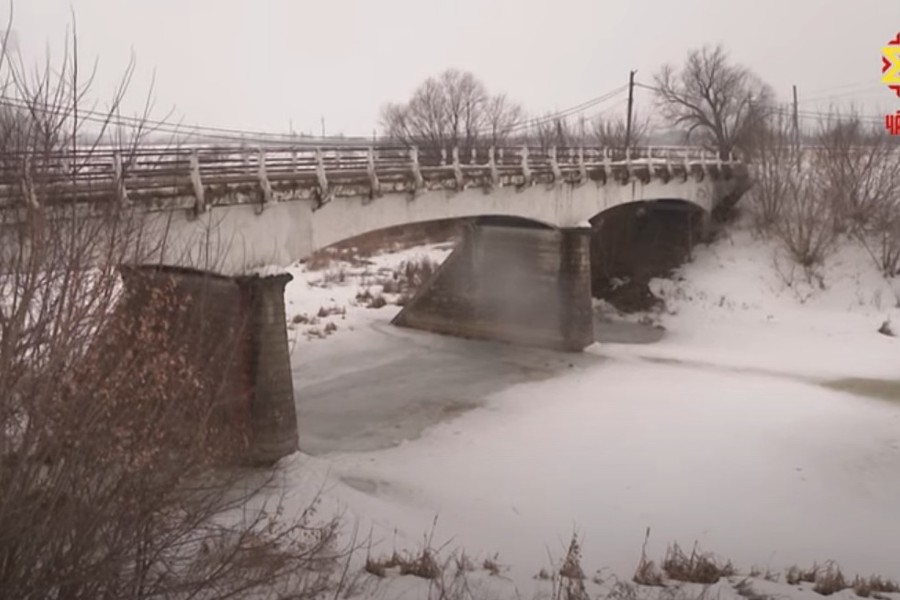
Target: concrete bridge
(230, 209)
(227, 211)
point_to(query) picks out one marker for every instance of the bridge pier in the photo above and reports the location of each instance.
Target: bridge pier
(232, 329)
(528, 286)
(273, 417)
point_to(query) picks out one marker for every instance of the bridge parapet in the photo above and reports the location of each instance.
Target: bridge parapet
(199, 177)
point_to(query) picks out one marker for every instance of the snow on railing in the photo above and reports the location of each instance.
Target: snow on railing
(124, 174)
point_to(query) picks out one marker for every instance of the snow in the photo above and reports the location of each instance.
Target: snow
(728, 431)
(334, 289)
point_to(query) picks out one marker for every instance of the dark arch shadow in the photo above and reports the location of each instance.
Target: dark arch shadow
(636, 242)
(423, 232)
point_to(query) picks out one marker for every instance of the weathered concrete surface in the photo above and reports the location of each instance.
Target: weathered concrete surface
(272, 416)
(234, 331)
(522, 285)
(242, 235)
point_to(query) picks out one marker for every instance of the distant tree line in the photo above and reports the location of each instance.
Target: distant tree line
(810, 186)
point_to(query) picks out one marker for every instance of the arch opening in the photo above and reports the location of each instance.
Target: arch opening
(406, 235)
(636, 242)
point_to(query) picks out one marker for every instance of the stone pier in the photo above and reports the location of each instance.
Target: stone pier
(524, 285)
(233, 329)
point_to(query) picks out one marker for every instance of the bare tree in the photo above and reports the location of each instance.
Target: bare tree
(775, 171)
(549, 131)
(805, 223)
(718, 102)
(116, 420)
(613, 133)
(453, 110)
(502, 117)
(858, 167)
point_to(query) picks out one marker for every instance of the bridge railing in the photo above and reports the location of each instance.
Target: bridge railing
(105, 172)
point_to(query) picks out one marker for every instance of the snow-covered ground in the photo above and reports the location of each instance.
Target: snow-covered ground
(730, 431)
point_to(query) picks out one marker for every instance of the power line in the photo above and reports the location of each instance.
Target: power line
(782, 109)
(578, 109)
(250, 136)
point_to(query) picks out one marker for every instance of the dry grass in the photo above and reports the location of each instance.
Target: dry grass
(647, 573)
(369, 300)
(330, 310)
(830, 580)
(569, 579)
(331, 277)
(696, 567)
(795, 575)
(874, 585)
(768, 574)
(323, 259)
(380, 567)
(492, 566)
(464, 564)
(415, 273)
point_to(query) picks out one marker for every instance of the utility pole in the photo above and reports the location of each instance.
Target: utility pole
(630, 109)
(796, 122)
(323, 125)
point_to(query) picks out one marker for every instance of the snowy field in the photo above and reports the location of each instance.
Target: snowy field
(764, 425)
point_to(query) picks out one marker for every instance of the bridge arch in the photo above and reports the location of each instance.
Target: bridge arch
(638, 241)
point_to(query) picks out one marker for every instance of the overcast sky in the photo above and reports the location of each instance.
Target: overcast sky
(260, 64)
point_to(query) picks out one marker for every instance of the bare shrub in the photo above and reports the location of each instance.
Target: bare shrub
(768, 574)
(332, 276)
(492, 565)
(120, 414)
(696, 567)
(775, 169)
(417, 272)
(377, 301)
(874, 584)
(613, 133)
(858, 167)
(805, 227)
(570, 583)
(830, 580)
(796, 575)
(330, 310)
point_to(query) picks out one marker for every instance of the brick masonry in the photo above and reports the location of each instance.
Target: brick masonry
(520, 285)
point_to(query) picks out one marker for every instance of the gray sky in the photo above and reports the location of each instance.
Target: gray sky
(258, 64)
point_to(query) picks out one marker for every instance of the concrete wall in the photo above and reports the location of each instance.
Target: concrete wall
(232, 238)
(526, 286)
